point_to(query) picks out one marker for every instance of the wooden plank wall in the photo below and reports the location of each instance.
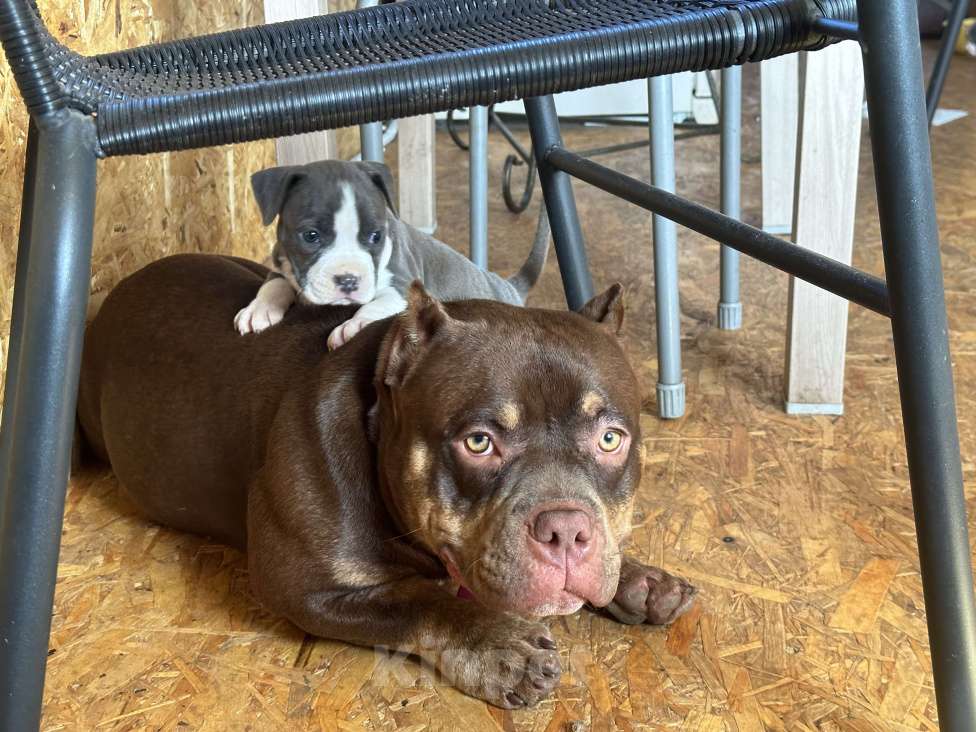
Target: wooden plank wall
(148, 207)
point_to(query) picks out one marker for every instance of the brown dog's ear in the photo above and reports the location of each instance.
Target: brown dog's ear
(382, 178)
(271, 188)
(412, 333)
(607, 308)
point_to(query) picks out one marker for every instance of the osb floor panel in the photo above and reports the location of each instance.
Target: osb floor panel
(798, 530)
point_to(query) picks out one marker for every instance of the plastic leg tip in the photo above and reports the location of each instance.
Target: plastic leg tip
(671, 400)
(730, 315)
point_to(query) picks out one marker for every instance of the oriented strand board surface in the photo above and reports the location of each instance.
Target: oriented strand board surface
(798, 530)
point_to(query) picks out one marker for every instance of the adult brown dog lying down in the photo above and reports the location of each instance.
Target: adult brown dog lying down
(437, 485)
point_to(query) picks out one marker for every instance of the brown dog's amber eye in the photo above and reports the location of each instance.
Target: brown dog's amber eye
(610, 440)
(478, 444)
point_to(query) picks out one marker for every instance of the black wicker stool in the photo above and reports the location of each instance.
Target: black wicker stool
(422, 56)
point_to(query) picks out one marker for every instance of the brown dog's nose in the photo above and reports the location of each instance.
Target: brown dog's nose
(562, 535)
(348, 283)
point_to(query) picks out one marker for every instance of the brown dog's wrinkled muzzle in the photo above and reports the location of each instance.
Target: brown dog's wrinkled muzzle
(565, 562)
(548, 562)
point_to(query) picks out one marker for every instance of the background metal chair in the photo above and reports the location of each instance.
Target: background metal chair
(345, 69)
(957, 11)
(670, 382)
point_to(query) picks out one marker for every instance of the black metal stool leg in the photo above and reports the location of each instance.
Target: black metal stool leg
(557, 189)
(39, 411)
(903, 171)
(20, 287)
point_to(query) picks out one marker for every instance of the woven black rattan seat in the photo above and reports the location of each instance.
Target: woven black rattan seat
(399, 60)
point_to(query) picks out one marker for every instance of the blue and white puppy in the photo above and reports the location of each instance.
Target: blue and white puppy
(340, 241)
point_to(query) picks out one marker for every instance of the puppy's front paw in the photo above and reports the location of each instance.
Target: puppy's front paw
(342, 334)
(650, 595)
(509, 662)
(257, 316)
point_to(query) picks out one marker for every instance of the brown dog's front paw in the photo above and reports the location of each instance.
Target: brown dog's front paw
(511, 663)
(650, 595)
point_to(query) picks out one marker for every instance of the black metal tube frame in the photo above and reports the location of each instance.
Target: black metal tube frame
(843, 29)
(52, 281)
(20, 289)
(557, 190)
(910, 236)
(847, 282)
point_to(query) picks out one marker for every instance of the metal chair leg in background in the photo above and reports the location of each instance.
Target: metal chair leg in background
(371, 142)
(957, 14)
(370, 135)
(670, 382)
(478, 184)
(557, 189)
(910, 236)
(53, 280)
(730, 306)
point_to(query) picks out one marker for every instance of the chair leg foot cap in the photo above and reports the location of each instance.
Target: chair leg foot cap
(671, 400)
(730, 315)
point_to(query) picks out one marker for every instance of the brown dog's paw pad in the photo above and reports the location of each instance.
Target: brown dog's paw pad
(545, 641)
(513, 665)
(536, 676)
(651, 595)
(669, 599)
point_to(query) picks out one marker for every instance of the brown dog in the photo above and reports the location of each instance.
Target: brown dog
(470, 444)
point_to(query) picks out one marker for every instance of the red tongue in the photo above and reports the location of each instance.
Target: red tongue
(464, 593)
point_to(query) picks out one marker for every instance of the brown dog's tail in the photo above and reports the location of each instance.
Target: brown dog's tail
(524, 280)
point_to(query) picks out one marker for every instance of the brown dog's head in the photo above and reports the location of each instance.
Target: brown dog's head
(509, 446)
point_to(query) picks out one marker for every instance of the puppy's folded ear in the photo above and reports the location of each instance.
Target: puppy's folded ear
(607, 308)
(271, 188)
(411, 335)
(381, 177)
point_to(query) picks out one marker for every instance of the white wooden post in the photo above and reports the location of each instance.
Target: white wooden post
(301, 149)
(780, 102)
(418, 199)
(830, 114)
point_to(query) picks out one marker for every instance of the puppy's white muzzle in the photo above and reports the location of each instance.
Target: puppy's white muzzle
(334, 281)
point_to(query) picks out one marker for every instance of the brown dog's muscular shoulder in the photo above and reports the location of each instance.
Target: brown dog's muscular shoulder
(177, 401)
